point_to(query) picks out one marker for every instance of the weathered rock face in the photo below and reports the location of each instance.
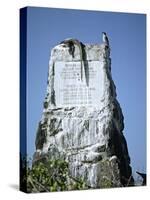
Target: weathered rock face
(82, 121)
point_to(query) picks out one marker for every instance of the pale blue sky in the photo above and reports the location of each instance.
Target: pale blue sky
(127, 34)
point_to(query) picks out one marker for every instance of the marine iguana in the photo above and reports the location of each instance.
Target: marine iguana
(70, 42)
(143, 177)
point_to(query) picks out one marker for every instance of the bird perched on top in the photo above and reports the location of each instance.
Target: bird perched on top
(105, 38)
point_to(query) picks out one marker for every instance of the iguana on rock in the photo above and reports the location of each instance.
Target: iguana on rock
(143, 177)
(70, 42)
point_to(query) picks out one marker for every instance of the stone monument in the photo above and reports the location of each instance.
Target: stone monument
(82, 121)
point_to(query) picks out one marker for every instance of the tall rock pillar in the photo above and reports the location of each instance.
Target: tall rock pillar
(82, 121)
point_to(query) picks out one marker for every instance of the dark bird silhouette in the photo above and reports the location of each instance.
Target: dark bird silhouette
(143, 177)
(105, 38)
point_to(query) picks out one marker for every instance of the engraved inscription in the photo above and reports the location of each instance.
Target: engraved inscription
(70, 90)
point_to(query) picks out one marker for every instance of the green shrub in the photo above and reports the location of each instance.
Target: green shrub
(106, 183)
(50, 176)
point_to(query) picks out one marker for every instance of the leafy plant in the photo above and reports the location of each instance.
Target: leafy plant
(50, 176)
(106, 183)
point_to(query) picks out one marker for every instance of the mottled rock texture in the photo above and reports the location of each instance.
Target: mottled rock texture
(91, 137)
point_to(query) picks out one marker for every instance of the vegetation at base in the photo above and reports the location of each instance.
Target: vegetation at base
(50, 176)
(53, 175)
(106, 183)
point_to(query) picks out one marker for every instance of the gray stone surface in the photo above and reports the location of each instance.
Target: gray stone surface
(82, 121)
